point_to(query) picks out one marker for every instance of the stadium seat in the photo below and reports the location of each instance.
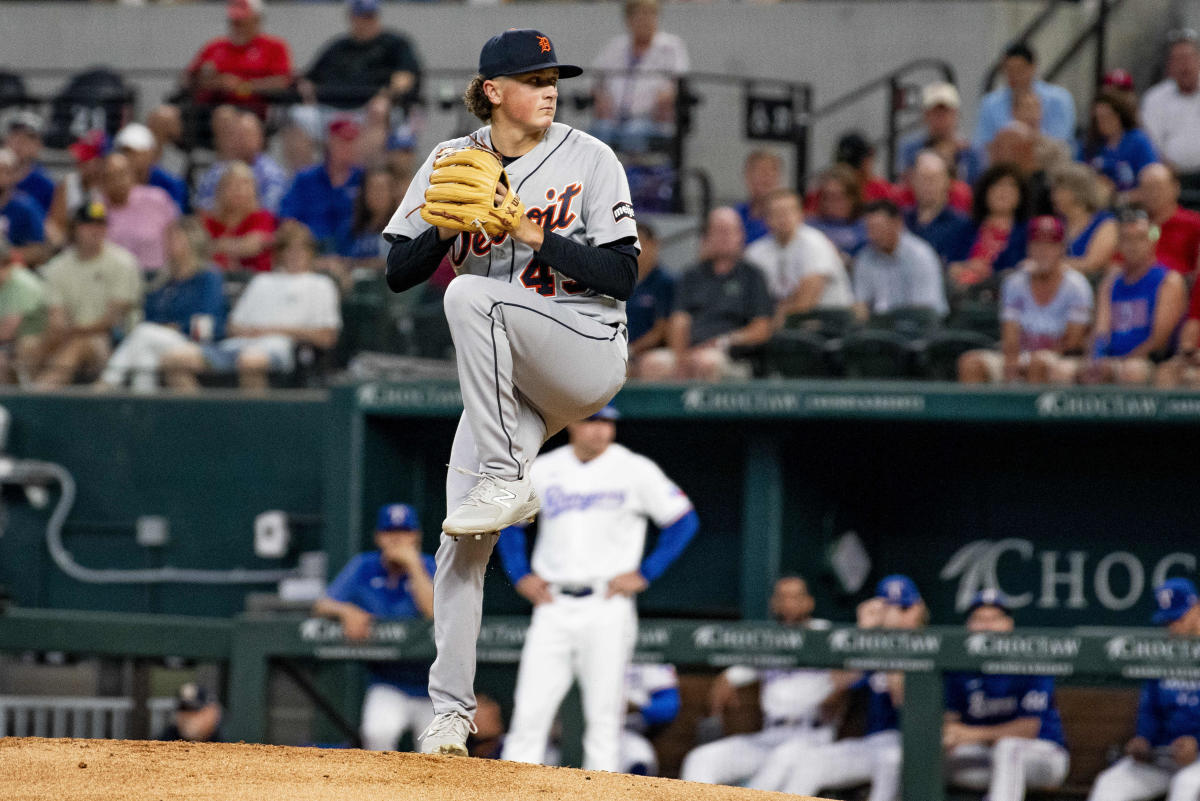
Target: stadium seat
(912, 322)
(979, 316)
(431, 338)
(12, 90)
(95, 98)
(795, 353)
(942, 349)
(876, 353)
(829, 323)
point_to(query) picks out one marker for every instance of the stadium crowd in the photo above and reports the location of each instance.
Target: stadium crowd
(1048, 246)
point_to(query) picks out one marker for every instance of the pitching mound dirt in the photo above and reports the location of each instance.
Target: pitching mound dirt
(33, 769)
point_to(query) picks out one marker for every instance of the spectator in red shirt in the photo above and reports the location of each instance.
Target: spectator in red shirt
(242, 233)
(1001, 208)
(1178, 244)
(239, 67)
(856, 152)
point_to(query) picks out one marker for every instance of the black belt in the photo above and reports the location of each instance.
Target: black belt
(574, 590)
(808, 723)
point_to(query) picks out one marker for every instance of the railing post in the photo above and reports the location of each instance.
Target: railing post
(1101, 43)
(683, 123)
(800, 127)
(895, 102)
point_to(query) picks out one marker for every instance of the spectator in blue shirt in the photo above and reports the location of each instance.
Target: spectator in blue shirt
(392, 583)
(1001, 733)
(1161, 757)
(186, 303)
(950, 233)
(21, 220)
(1020, 73)
(242, 139)
(322, 197)
(653, 299)
(23, 136)
(1115, 146)
(139, 144)
(940, 103)
(763, 174)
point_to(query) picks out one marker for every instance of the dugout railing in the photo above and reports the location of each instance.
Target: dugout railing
(251, 646)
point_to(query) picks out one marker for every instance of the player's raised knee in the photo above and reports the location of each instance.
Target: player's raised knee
(464, 292)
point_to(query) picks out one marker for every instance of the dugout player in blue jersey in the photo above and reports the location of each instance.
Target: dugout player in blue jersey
(1161, 758)
(393, 583)
(1001, 733)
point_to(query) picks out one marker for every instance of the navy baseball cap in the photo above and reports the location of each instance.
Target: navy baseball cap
(363, 8)
(519, 50)
(898, 590)
(1174, 597)
(397, 517)
(608, 413)
(990, 597)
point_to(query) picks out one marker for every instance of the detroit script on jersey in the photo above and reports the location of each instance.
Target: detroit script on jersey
(573, 184)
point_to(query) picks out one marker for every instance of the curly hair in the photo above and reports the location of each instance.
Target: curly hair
(476, 100)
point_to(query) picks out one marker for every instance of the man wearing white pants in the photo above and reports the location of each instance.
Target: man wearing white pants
(1161, 758)
(790, 701)
(803, 768)
(586, 569)
(393, 583)
(1001, 733)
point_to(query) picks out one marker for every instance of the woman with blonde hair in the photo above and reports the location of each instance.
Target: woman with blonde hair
(241, 231)
(186, 303)
(1091, 230)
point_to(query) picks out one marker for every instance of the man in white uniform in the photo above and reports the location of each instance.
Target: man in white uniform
(652, 702)
(587, 567)
(802, 267)
(790, 699)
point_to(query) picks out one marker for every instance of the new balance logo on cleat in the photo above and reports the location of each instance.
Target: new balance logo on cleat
(492, 504)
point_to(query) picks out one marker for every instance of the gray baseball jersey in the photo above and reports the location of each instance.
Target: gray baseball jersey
(572, 184)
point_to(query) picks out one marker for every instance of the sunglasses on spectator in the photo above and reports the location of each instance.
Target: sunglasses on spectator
(1183, 35)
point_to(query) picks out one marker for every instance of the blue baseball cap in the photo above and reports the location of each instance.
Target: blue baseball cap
(397, 517)
(402, 138)
(1174, 597)
(519, 50)
(608, 413)
(898, 590)
(363, 8)
(990, 597)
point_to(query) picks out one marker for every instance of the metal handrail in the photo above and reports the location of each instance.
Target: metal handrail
(1035, 25)
(1097, 29)
(896, 104)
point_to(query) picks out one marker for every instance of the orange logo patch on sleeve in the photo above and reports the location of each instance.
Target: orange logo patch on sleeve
(544, 44)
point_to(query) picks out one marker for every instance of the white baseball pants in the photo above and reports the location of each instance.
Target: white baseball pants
(742, 757)
(1009, 766)
(387, 713)
(874, 758)
(1130, 780)
(592, 639)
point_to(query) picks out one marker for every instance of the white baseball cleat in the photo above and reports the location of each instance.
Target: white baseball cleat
(492, 504)
(447, 735)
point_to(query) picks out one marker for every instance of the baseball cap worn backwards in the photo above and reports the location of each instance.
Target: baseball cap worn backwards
(397, 517)
(1174, 598)
(519, 50)
(898, 590)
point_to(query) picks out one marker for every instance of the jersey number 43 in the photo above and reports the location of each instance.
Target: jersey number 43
(539, 277)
